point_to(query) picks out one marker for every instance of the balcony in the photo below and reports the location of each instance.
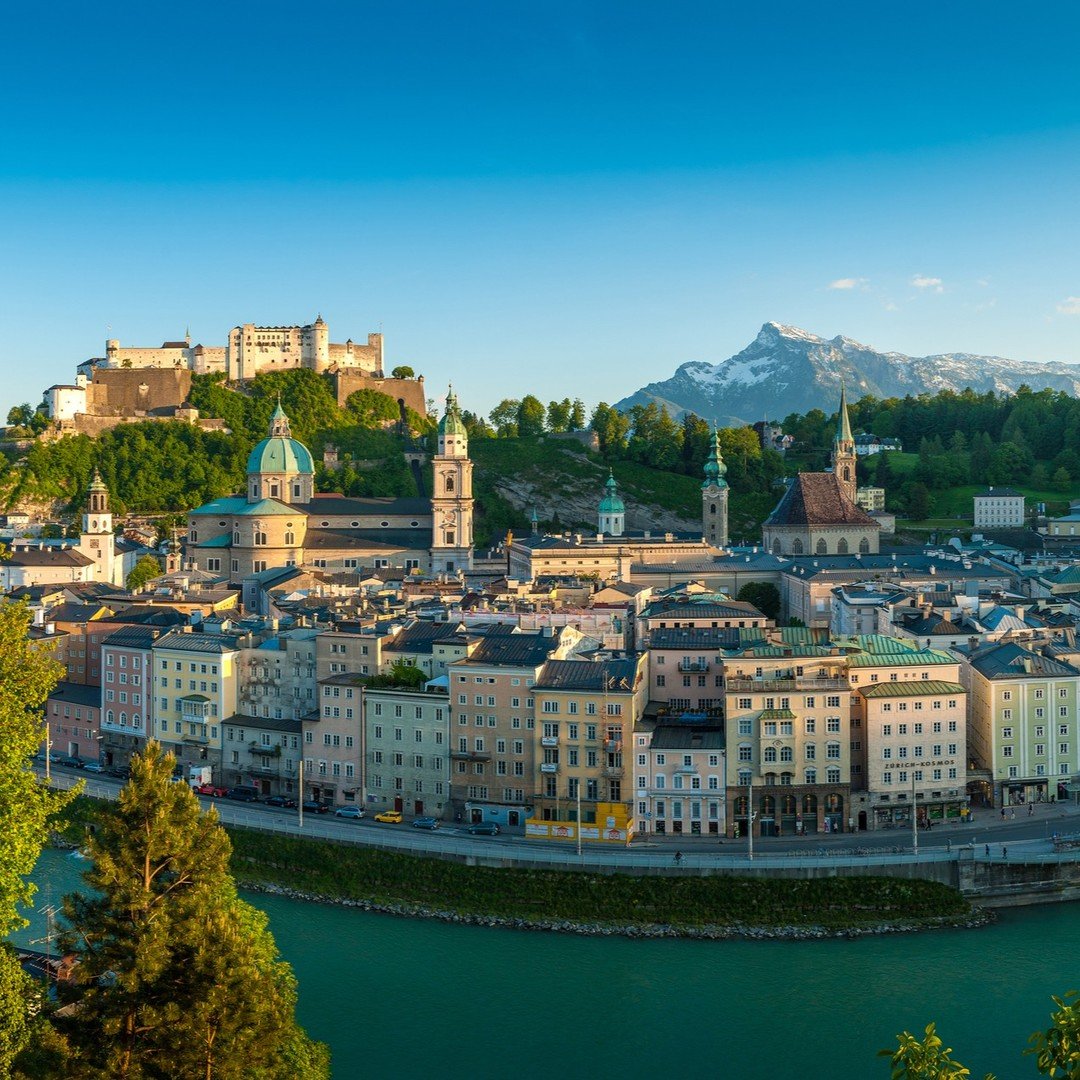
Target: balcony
(689, 770)
(613, 746)
(264, 751)
(802, 683)
(470, 755)
(549, 740)
(198, 740)
(612, 772)
(694, 667)
(549, 767)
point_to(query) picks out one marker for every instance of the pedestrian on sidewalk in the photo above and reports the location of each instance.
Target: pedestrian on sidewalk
(988, 851)
(1004, 852)
(1031, 809)
(948, 845)
(1012, 815)
(1003, 813)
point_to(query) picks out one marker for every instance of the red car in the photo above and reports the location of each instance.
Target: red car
(212, 790)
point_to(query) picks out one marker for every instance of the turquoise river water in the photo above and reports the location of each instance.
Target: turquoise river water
(403, 998)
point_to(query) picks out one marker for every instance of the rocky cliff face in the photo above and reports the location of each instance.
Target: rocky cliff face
(787, 370)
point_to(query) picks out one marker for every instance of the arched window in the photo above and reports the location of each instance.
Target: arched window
(109, 716)
(787, 753)
(255, 489)
(193, 536)
(290, 539)
(788, 803)
(712, 508)
(796, 546)
(847, 472)
(236, 537)
(744, 780)
(770, 753)
(841, 547)
(821, 548)
(864, 546)
(786, 779)
(776, 547)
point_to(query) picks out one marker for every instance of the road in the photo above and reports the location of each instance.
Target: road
(1029, 837)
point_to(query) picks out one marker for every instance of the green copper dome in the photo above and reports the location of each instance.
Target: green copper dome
(451, 422)
(280, 452)
(611, 503)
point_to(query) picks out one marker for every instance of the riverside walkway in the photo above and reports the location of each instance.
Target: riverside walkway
(840, 854)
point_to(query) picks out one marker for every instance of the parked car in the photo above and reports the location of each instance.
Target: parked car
(57, 759)
(123, 772)
(94, 766)
(483, 828)
(71, 762)
(242, 794)
(392, 817)
(281, 800)
(349, 811)
(213, 790)
(425, 823)
(312, 807)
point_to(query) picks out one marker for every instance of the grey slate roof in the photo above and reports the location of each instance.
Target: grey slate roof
(77, 694)
(687, 737)
(611, 676)
(1007, 660)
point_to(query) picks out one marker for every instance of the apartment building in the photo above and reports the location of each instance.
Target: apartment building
(492, 751)
(908, 726)
(686, 673)
(788, 734)
(333, 741)
(277, 676)
(407, 748)
(586, 713)
(73, 721)
(1022, 727)
(262, 752)
(195, 688)
(127, 691)
(680, 778)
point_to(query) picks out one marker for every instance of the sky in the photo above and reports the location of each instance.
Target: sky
(565, 199)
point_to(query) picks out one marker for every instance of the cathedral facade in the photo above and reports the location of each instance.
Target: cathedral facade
(280, 520)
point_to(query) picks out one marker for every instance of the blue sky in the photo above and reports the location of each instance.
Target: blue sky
(556, 198)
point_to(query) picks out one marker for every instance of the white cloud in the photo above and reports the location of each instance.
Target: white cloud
(890, 306)
(1070, 305)
(848, 283)
(920, 281)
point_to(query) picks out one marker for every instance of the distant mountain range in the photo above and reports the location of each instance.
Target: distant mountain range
(785, 369)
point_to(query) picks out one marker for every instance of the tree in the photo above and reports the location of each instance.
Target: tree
(504, 418)
(924, 1059)
(764, 596)
(530, 417)
(918, 501)
(577, 415)
(372, 408)
(558, 415)
(1057, 1049)
(1061, 480)
(143, 571)
(177, 976)
(27, 675)
(403, 371)
(20, 415)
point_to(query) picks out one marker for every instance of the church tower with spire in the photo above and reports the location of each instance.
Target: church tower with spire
(97, 540)
(714, 497)
(843, 454)
(451, 500)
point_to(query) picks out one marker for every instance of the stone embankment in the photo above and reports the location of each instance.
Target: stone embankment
(975, 919)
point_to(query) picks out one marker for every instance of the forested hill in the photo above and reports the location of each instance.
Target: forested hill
(952, 442)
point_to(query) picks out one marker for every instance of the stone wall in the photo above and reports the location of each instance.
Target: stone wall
(411, 391)
(127, 391)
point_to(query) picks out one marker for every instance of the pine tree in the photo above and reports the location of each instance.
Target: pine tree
(179, 978)
(27, 674)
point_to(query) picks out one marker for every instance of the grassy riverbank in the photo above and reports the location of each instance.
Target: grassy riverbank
(341, 872)
(406, 882)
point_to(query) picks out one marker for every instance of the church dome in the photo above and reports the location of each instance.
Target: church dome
(451, 422)
(280, 452)
(611, 503)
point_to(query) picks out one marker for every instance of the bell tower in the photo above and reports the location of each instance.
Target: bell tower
(451, 500)
(714, 497)
(843, 454)
(97, 541)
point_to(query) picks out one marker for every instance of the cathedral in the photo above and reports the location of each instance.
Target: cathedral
(280, 520)
(817, 514)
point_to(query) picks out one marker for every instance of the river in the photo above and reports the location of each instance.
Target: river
(402, 998)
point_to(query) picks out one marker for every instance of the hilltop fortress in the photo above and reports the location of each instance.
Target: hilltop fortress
(129, 383)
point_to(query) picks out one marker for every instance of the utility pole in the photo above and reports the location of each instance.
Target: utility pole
(914, 817)
(579, 817)
(750, 815)
(300, 800)
(48, 752)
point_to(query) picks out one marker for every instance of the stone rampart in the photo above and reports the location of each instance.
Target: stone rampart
(411, 391)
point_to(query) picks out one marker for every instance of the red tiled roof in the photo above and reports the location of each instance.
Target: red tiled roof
(818, 499)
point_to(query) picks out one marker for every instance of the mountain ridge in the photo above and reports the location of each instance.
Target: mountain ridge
(787, 369)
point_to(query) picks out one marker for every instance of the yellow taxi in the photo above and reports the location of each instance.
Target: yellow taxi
(394, 817)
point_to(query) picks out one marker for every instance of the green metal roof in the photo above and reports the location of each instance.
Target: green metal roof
(913, 688)
(901, 659)
(611, 503)
(224, 540)
(238, 506)
(278, 454)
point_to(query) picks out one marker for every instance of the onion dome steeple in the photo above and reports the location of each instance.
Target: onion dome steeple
(715, 469)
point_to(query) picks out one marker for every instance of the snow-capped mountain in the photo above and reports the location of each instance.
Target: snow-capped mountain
(787, 370)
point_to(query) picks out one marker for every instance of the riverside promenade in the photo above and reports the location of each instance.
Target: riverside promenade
(1007, 853)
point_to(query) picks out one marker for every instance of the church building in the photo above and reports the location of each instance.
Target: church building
(281, 520)
(817, 514)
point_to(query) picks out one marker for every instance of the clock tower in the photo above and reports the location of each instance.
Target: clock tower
(97, 540)
(451, 499)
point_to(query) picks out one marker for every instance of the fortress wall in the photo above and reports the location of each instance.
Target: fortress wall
(411, 391)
